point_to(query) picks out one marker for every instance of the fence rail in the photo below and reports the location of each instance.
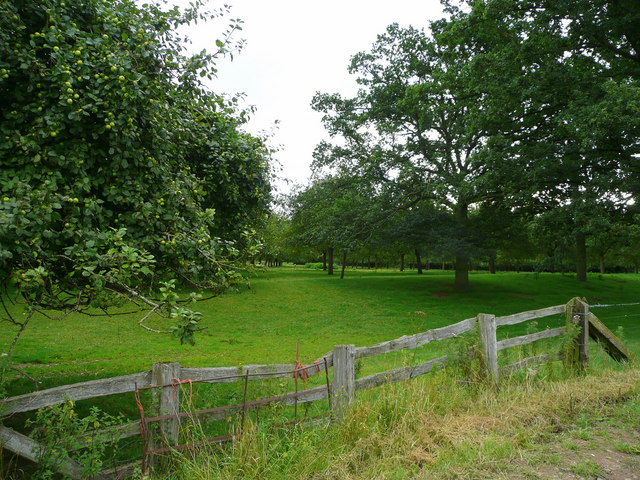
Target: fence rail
(530, 338)
(530, 315)
(167, 378)
(409, 342)
(76, 391)
(129, 383)
(398, 375)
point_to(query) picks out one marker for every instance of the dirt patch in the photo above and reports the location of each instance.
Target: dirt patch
(598, 457)
(442, 294)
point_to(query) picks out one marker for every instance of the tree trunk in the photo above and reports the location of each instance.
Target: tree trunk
(461, 281)
(402, 262)
(492, 263)
(581, 257)
(418, 262)
(602, 269)
(330, 266)
(324, 260)
(344, 263)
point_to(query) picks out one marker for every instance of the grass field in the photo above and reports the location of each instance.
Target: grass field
(261, 324)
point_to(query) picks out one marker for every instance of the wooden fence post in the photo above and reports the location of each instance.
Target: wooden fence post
(489, 343)
(168, 403)
(344, 378)
(578, 314)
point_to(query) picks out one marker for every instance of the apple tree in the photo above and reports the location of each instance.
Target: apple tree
(102, 113)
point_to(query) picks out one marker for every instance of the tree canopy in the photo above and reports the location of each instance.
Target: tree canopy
(511, 118)
(560, 81)
(120, 172)
(412, 129)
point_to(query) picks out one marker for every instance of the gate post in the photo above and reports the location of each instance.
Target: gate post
(344, 378)
(167, 401)
(489, 344)
(577, 314)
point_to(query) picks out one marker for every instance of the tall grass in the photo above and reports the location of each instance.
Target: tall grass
(433, 427)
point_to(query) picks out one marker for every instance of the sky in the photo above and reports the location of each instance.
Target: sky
(294, 49)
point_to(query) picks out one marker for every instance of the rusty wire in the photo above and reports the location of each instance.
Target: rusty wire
(315, 366)
(299, 372)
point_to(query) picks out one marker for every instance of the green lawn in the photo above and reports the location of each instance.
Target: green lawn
(262, 324)
(284, 305)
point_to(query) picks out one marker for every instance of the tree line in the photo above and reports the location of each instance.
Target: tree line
(506, 130)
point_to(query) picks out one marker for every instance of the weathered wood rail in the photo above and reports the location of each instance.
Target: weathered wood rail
(129, 383)
(341, 391)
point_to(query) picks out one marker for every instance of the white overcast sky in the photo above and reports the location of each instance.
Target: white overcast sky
(293, 49)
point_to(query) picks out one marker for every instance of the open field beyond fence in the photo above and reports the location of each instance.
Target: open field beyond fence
(160, 430)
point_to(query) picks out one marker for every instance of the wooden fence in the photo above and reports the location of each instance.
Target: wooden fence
(340, 391)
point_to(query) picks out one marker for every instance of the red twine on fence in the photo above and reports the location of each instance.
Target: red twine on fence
(176, 382)
(143, 431)
(302, 372)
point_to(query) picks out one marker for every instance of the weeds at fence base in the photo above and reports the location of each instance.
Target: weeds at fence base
(430, 427)
(63, 435)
